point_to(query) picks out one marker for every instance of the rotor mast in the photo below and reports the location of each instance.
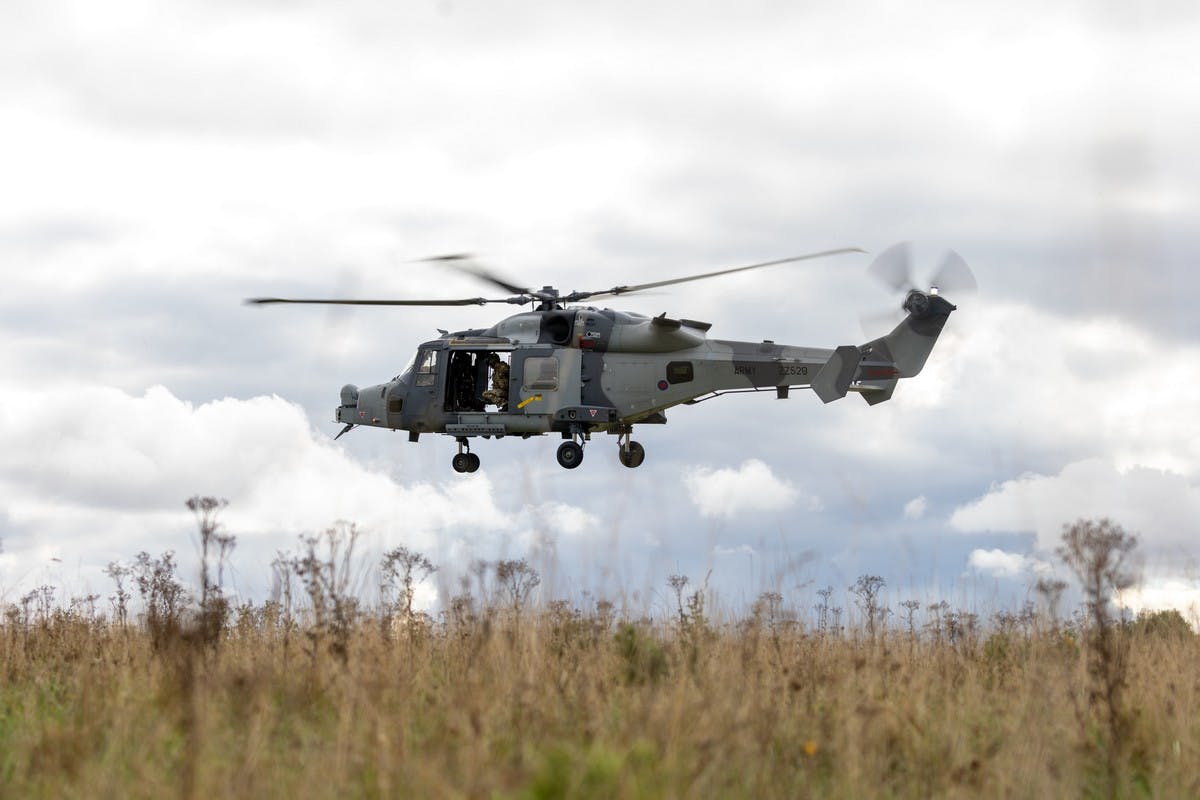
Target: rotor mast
(548, 298)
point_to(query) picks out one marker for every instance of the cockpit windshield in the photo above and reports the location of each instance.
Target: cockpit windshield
(407, 371)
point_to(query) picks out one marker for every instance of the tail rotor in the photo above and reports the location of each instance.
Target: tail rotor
(894, 269)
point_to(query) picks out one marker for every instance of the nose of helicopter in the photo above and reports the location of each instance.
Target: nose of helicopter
(348, 411)
(378, 405)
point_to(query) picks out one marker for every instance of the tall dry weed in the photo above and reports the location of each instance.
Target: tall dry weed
(566, 699)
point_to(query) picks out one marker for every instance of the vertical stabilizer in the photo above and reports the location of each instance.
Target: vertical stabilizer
(908, 346)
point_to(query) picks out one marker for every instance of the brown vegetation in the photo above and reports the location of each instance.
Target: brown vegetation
(502, 697)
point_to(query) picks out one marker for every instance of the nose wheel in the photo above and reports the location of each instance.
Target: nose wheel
(465, 461)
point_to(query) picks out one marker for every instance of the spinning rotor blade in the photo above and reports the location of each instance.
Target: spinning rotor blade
(465, 262)
(466, 301)
(619, 290)
(954, 276)
(894, 267)
(548, 296)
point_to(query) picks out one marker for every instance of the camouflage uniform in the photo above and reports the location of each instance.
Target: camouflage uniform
(498, 394)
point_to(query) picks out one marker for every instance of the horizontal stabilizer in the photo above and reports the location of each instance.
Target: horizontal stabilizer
(877, 392)
(832, 381)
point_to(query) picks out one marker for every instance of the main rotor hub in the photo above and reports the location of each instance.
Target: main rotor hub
(550, 299)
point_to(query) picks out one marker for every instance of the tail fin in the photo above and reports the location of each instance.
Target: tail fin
(908, 346)
(874, 369)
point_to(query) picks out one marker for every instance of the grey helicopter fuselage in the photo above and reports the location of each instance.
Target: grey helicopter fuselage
(578, 370)
(583, 370)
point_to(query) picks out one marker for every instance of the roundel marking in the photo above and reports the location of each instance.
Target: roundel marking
(662, 386)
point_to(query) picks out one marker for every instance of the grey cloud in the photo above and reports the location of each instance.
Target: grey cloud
(40, 237)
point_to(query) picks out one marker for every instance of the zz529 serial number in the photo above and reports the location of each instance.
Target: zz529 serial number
(792, 369)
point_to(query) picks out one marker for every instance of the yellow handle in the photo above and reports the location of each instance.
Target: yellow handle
(529, 400)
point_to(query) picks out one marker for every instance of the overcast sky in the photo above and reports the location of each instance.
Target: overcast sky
(159, 162)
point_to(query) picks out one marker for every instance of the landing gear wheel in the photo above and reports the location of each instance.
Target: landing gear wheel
(472, 462)
(462, 462)
(633, 456)
(570, 454)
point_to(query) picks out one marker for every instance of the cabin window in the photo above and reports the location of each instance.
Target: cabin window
(680, 372)
(395, 405)
(426, 368)
(541, 374)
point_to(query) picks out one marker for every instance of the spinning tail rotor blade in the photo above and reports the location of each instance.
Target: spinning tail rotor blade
(954, 276)
(894, 267)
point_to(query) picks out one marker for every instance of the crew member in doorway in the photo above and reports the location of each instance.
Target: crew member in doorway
(462, 383)
(498, 394)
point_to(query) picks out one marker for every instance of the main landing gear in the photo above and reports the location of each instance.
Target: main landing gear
(465, 461)
(570, 454)
(630, 453)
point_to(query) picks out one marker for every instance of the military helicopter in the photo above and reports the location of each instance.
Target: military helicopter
(578, 370)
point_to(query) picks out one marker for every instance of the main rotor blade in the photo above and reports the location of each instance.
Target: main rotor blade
(465, 262)
(954, 276)
(894, 267)
(618, 290)
(466, 301)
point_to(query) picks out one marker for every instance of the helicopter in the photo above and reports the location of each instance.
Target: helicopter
(579, 370)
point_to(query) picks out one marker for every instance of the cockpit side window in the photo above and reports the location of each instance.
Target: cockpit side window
(426, 368)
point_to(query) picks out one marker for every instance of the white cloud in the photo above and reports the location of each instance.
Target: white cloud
(1161, 507)
(109, 478)
(750, 488)
(547, 524)
(915, 508)
(565, 519)
(1004, 564)
(1163, 594)
(1028, 380)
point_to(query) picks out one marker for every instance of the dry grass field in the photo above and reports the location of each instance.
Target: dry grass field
(314, 695)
